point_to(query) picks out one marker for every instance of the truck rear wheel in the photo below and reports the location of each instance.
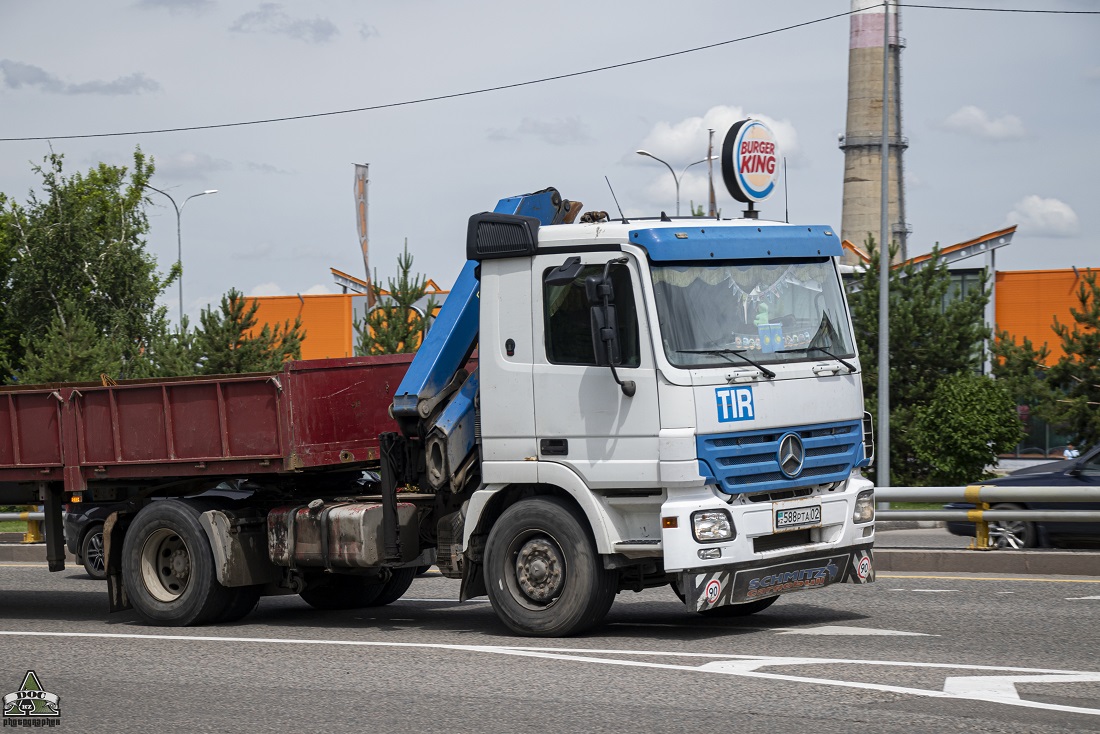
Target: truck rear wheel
(543, 574)
(338, 591)
(242, 601)
(168, 568)
(395, 588)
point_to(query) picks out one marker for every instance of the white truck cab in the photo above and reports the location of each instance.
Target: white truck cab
(702, 413)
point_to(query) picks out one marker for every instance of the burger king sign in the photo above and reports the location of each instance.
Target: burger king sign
(750, 161)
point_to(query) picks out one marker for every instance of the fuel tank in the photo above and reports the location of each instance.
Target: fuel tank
(338, 534)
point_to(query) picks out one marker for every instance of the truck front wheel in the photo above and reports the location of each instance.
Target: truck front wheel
(543, 574)
(168, 568)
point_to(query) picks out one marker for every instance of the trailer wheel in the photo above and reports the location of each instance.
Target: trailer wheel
(168, 568)
(396, 587)
(543, 574)
(337, 591)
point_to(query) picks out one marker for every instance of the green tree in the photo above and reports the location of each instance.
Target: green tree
(394, 326)
(1067, 394)
(170, 353)
(969, 420)
(932, 337)
(76, 250)
(227, 341)
(72, 349)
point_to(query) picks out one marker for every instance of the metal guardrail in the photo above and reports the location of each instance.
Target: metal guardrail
(981, 496)
(34, 522)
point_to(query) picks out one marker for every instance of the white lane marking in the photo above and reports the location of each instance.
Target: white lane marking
(734, 665)
(998, 687)
(935, 591)
(1081, 598)
(840, 630)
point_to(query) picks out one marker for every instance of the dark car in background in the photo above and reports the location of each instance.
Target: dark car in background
(1079, 472)
(83, 523)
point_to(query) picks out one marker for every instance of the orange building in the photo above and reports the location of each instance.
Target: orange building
(1028, 301)
(327, 320)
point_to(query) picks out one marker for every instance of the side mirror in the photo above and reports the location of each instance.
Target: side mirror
(605, 329)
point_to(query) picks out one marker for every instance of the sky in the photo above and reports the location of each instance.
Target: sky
(1000, 110)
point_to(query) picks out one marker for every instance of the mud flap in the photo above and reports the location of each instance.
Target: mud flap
(722, 587)
(114, 529)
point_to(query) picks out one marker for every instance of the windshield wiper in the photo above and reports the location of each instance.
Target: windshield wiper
(739, 353)
(823, 350)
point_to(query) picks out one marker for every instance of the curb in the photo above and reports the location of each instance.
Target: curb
(950, 560)
(28, 553)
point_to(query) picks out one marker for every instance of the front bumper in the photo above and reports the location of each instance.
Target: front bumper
(738, 583)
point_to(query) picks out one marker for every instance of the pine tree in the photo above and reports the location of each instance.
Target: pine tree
(71, 350)
(227, 342)
(394, 326)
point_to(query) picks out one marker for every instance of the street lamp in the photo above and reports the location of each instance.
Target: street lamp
(179, 236)
(675, 178)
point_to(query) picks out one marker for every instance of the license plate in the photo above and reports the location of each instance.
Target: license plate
(797, 517)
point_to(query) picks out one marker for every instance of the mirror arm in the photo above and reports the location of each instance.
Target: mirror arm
(628, 386)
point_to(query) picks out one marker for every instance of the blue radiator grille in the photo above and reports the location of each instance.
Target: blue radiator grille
(749, 462)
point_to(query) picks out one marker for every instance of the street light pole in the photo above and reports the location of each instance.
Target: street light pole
(179, 232)
(675, 178)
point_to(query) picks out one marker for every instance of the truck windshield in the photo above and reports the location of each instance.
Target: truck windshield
(770, 311)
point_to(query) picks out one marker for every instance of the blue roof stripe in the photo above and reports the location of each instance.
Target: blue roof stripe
(671, 244)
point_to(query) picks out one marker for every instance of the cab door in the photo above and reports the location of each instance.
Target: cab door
(582, 418)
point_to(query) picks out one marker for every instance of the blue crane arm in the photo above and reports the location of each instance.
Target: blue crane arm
(444, 350)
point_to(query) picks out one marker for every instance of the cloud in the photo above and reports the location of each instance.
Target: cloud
(366, 31)
(1049, 217)
(270, 18)
(176, 6)
(498, 135)
(266, 168)
(189, 165)
(562, 131)
(18, 75)
(685, 142)
(971, 120)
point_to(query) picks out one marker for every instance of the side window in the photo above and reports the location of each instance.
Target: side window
(569, 324)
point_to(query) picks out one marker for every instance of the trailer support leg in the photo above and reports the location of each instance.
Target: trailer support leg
(50, 494)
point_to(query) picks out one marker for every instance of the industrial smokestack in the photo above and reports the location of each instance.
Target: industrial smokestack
(862, 141)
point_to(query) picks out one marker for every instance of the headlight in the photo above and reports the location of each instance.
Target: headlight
(709, 526)
(865, 507)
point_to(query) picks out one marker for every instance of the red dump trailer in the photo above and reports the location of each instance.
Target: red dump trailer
(182, 435)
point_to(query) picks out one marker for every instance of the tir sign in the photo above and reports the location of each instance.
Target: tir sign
(734, 404)
(750, 161)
